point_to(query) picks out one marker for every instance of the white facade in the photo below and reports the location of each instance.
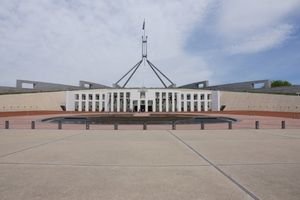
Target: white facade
(143, 100)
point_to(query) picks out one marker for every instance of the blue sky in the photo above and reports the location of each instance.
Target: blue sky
(66, 41)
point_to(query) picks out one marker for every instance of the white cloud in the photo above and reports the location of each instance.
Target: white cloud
(252, 26)
(243, 17)
(64, 41)
(262, 41)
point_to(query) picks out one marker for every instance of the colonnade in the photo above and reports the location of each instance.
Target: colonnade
(148, 101)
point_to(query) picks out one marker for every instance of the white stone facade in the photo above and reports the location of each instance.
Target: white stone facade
(142, 100)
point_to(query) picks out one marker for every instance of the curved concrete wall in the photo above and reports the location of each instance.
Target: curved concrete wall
(32, 101)
(233, 100)
(255, 101)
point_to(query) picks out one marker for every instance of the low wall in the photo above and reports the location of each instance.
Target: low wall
(263, 102)
(32, 101)
(52, 101)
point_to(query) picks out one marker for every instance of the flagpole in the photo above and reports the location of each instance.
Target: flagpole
(144, 44)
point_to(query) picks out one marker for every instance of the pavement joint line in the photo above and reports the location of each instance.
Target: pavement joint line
(256, 164)
(39, 145)
(102, 165)
(286, 136)
(214, 166)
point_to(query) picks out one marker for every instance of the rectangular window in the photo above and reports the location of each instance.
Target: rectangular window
(103, 107)
(103, 96)
(156, 95)
(90, 106)
(90, 97)
(142, 95)
(128, 105)
(115, 96)
(121, 105)
(189, 106)
(164, 105)
(97, 96)
(195, 106)
(76, 96)
(208, 96)
(157, 104)
(97, 106)
(83, 106)
(202, 97)
(76, 106)
(209, 106)
(195, 96)
(83, 97)
(188, 97)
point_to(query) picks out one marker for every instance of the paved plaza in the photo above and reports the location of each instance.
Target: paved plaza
(153, 164)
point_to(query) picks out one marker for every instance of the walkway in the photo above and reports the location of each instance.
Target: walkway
(161, 164)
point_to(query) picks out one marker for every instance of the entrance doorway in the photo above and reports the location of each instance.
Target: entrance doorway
(142, 107)
(135, 106)
(150, 106)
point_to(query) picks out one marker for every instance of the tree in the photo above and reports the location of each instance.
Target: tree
(280, 83)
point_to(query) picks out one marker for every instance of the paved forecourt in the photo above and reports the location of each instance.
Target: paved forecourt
(162, 164)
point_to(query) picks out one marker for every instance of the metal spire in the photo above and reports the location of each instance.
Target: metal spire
(144, 43)
(144, 60)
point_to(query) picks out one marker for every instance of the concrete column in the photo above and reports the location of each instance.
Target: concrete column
(185, 103)
(106, 102)
(173, 102)
(112, 102)
(205, 102)
(199, 102)
(79, 103)
(118, 101)
(192, 102)
(100, 102)
(131, 104)
(167, 101)
(139, 105)
(160, 101)
(146, 105)
(124, 101)
(94, 102)
(86, 102)
(179, 102)
(154, 104)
